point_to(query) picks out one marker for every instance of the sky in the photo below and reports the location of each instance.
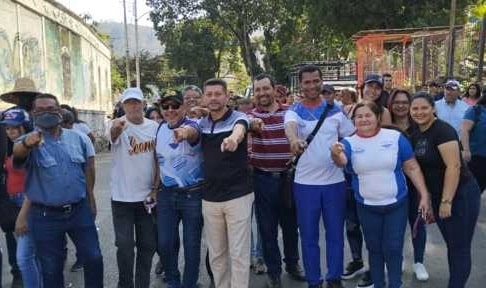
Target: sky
(109, 10)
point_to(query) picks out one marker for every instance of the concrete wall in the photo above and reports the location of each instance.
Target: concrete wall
(43, 40)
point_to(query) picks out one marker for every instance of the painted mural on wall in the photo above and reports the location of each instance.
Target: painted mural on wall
(58, 59)
(10, 60)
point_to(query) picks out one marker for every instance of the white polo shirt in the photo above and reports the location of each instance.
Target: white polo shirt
(315, 166)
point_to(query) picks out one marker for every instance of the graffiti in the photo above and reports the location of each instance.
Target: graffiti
(10, 60)
(61, 61)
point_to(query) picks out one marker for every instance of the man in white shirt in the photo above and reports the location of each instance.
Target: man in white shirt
(133, 180)
(319, 186)
(451, 109)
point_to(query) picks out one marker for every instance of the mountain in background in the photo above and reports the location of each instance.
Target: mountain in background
(146, 35)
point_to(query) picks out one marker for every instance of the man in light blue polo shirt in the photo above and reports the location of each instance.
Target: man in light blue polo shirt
(451, 109)
(59, 191)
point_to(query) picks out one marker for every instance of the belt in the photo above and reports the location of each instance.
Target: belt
(192, 188)
(272, 174)
(66, 208)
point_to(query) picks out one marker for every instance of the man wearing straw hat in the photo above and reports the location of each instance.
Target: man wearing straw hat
(22, 96)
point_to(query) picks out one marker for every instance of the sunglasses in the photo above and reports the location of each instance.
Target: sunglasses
(173, 106)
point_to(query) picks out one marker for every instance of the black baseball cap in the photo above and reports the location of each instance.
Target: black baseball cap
(374, 78)
(327, 88)
(176, 97)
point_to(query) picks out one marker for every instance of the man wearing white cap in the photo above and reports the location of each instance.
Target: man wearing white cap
(451, 109)
(133, 181)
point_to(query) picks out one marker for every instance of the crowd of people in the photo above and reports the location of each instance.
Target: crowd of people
(366, 162)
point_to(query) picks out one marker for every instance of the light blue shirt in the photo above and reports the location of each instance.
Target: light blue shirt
(180, 163)
(56, 169)
(452, 114)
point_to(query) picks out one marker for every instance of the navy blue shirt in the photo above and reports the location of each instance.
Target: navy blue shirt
(56, 169)
(226, 172)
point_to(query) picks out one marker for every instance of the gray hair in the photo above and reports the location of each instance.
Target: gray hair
(192, 88)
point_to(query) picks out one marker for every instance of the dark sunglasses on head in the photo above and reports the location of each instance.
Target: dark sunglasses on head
(173, 106)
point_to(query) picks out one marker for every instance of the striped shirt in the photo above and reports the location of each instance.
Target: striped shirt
(270, 149)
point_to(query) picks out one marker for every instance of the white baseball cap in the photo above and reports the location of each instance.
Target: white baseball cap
(132, 93)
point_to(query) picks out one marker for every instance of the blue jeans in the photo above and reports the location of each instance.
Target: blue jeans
(384, 230)
(256, 237)
(353, 226)
(172, 208)
(421, 238)
(48, 229)
(134, 227)
(458, 231)
(272, 210)
(328, 201)
(28, 262)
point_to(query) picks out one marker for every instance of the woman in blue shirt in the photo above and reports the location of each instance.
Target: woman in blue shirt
(377, 158)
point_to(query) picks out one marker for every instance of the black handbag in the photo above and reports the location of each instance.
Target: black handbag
(288, 193)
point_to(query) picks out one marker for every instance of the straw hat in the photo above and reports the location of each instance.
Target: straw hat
(24, 87)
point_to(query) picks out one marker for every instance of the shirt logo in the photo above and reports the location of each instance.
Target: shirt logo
(143, 147)
(386, 144)
(421, 147)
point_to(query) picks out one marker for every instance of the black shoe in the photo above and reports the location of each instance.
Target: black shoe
(334, 284)
(296, 272)
(365, 281)
(273, 282)
(158, 268)
(353, 268)
(17, 282)
(77, 267)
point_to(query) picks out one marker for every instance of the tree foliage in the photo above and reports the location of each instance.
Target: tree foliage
(197, 47)
(301, 30)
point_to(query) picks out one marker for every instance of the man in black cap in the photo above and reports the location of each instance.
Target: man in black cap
(328, 93)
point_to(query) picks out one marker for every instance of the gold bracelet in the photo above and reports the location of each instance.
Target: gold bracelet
(446, 201)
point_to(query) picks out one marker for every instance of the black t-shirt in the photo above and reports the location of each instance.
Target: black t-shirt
(226, 173)
(425, 145)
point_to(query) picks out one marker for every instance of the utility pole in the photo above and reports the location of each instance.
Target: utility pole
(450, 54)
(127, 55)
(482, 38)
(137, 54)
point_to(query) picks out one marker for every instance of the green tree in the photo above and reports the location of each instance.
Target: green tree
(197, 47)
(154, 70)
(118, 82)
(236, 18)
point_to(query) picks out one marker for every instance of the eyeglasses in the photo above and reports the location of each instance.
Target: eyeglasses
(173, 106)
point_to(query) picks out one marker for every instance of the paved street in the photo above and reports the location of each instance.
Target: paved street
(436, 259)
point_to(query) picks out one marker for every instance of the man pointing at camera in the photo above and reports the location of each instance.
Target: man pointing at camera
(133, 180)
(227, 199)
(59, 190)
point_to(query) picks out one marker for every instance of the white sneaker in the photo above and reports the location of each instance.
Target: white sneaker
(420, 272)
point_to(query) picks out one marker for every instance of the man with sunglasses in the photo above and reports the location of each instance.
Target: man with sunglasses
(179, 155)
(134, 183)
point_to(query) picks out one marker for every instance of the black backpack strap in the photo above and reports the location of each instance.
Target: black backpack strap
(316, 129)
